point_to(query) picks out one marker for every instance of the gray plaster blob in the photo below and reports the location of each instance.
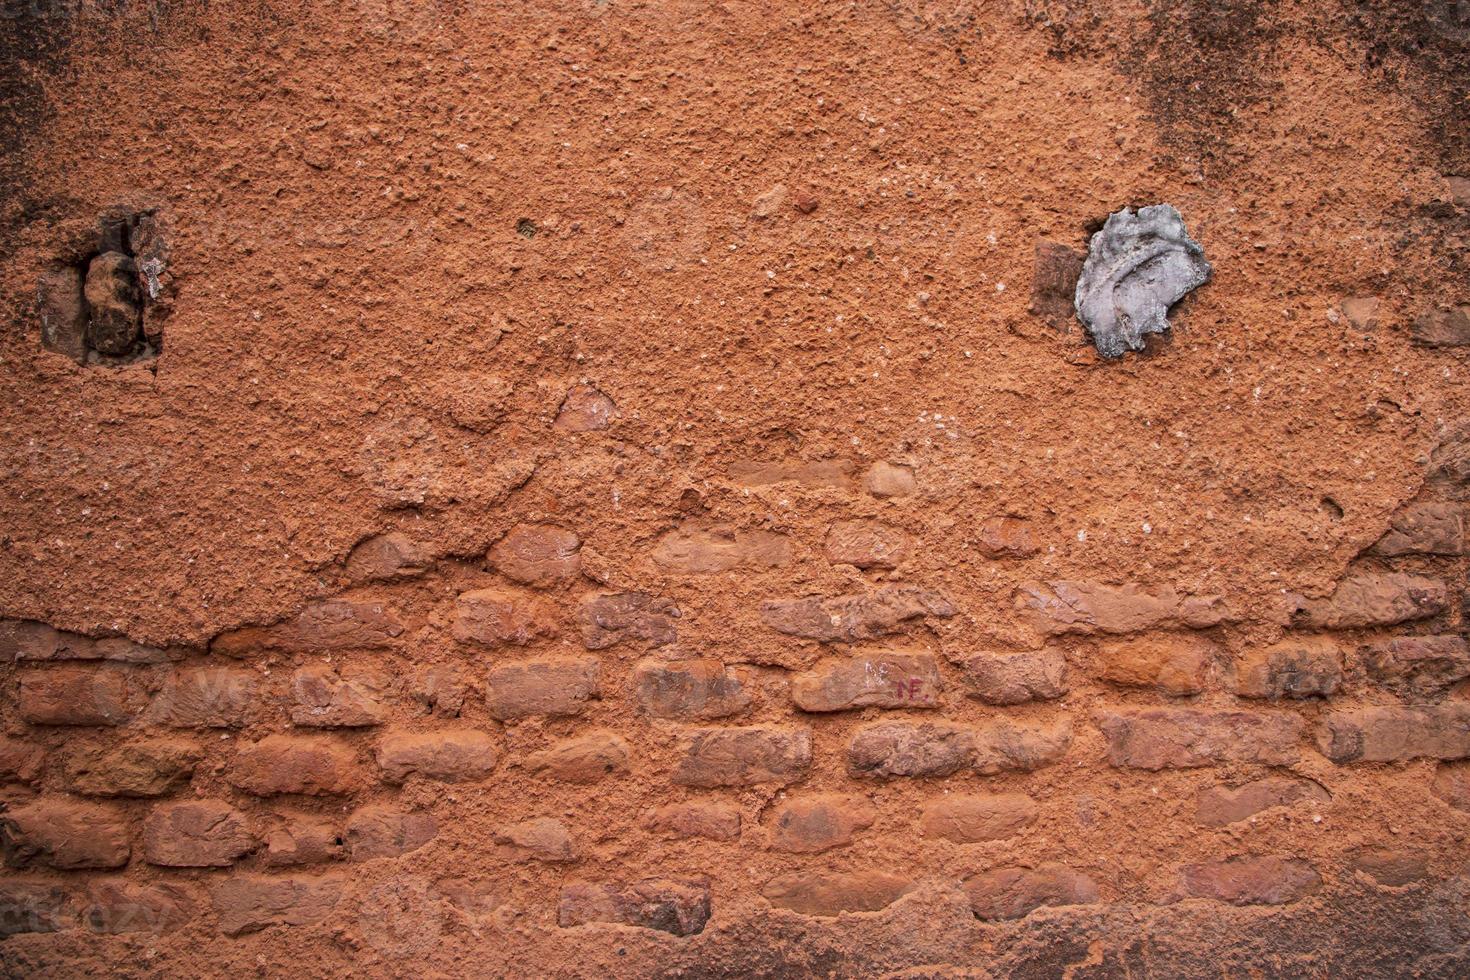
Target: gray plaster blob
(1137, 267)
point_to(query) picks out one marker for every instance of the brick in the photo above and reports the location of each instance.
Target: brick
(63, 310)
(711, 821)
(1250, 880)
(246, 904)
(20, 762)
(114, 304)
(584, 409)
(817, 475)
(440, 691)
(537, 554)
(121, 907)
(1007, 746)
(1424, 529)
(1442, 327)
(849, 618)
(1452, 784)
(811, 824)
(720, 548)
(1361, 312)
(34, 906)
(1061, 607)
(286, 764)
(691, 690)
(1055, 269)
(1372, 599)
(66, 835)
(378, 831)
(448, 755)
(1390, 867)
(1418, 667)
(867, 544)
(712, 757)
(680, 906)
(474, 897)
(877, 680)
(1181, 738)
(1017, 677)
(196, 834)
(387, 558)
(1176, 665)
(148, 768)
(207, 697)
(540, 839)
(334, 624)
(302, 840)
(25, 640)
(493, 617)
(971, 819)
(608, 620)
(323, 698)
(830, 893)
(1217, 806)
(586, 759)
(556, 688)
(76, 696)
(1016, 892)
(1393, 734)
(892, 749)
(884, 479)
(1005, 537)
(1300, 667)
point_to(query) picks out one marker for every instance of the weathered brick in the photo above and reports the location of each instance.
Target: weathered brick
(207, 697)
(1424, 529)
(585, 409)
(1250, 880)
(811, 824)
(449, 755)
(830, 893)
(440, 691)
(386, 558)
(818, 474)
(333, 624)
(743, 756)
(1442, 327)
(20, 762)
(885, 479)
(867, 544)
(1055, 269)
(323, 698)
(970, 819)
(1372, 599)
(680, 906)
(250, 903)
(537, 554)
(1418, 667)
(63, 310)
(877, 680)
(1007, 746)
(607, 620)
(586, 759)
(1300, 667)
(1391, 867)
(25, 640)
(67, 835)
(1060, 607)
(77, 696)
(1016, 892)
(34, 906)
(1180, 738)
(910, 749)
(196, 834)
(1006, 537)
(692, 690)
(475, 897)
(302, 840)
(494, 617)
(378, 831)
(1393, 734)
(148, 768)
(539, 839)
(1452, 784)
(849, 618)
(720, 548)
(287, 764)
(1017, 677)
(556, 687)
(712, 821)
(1217, 806)
(118, 907)
(1174, 664)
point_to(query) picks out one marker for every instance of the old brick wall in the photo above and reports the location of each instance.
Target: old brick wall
(618, 490)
